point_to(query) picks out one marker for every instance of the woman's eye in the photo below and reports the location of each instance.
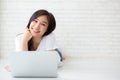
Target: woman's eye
(43, 24)
(35, 21)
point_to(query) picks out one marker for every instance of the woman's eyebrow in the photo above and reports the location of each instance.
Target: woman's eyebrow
(35, 19)
(42, 21)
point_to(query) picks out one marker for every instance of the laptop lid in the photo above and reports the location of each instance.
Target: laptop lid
(34, 63)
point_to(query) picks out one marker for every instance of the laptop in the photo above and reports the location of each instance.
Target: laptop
(33, 64)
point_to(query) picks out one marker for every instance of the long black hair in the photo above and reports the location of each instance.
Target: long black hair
(51, 24)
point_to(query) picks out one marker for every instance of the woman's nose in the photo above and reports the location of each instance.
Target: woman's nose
(36, 26)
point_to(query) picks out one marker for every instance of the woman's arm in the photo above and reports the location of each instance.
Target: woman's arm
(26, 37)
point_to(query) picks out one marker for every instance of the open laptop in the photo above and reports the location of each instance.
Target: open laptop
(33, 64)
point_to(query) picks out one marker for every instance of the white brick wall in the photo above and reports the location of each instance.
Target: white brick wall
(83, 26)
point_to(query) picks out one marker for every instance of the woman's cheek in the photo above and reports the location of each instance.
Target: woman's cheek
(31, 25)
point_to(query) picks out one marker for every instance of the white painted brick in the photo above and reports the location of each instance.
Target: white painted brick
(83, 26)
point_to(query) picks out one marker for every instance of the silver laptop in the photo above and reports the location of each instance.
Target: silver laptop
(33, 63)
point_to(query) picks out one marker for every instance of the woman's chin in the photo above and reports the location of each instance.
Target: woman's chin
(36, 35)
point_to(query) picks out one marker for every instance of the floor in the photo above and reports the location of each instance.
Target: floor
(78, 68)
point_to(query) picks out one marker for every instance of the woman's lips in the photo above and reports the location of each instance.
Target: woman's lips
(37, 31)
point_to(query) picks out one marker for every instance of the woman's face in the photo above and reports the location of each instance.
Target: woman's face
(39, 26)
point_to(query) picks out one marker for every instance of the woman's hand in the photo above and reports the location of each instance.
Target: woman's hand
(26, 37)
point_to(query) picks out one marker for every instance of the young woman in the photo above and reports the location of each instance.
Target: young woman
(38, 34)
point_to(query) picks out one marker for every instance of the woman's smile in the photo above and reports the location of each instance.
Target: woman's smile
(35, 31)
